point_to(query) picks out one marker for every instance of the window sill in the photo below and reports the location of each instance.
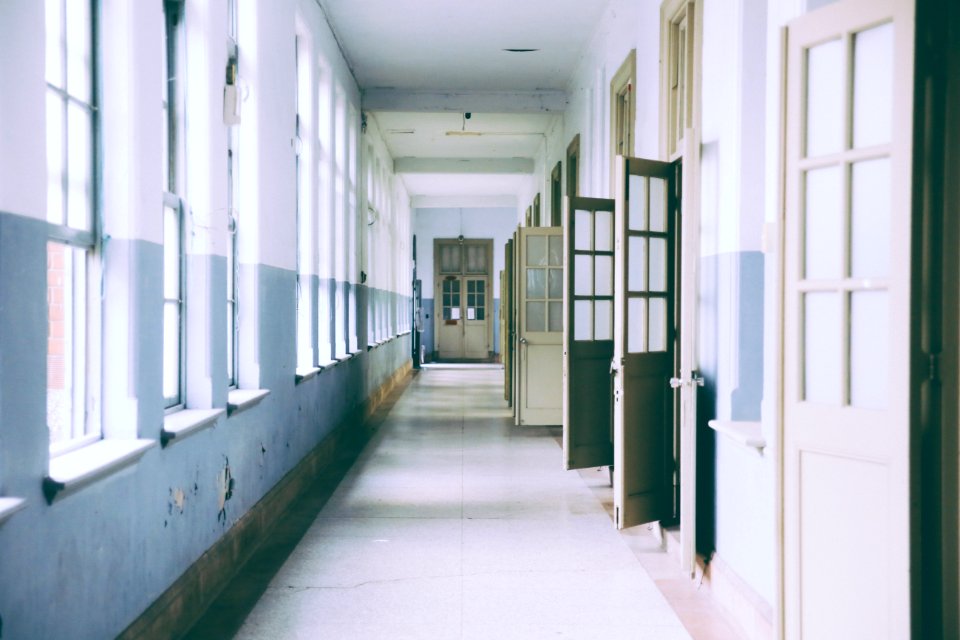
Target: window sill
(77, 469)
(179, 425)
(305, 373)
(9, 506)
(749, 434)
(242, 399)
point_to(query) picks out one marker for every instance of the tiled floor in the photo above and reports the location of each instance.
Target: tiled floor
(453, 523)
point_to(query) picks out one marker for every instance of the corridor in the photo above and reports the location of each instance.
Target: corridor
(453, 523)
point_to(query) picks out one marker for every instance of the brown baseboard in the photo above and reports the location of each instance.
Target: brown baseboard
(175, 612)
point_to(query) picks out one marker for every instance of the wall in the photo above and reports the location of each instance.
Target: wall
(497, 224)
(125, 538)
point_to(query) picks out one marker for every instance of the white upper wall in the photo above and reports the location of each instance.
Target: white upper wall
(497, 224)
(23, 169)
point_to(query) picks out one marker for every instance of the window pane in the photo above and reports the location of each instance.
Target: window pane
(60, 342)
(637, 203)
(476, 258)
(824, 223)
(870, 218)
(171, 254)
(536, 283)
(604, 276)
(637, 267)
(869, 337)
(604, 231)
(54, 38)
(79, 171)
(171, 351)
(79, 76)
(449, 258)
(556, 316)
(583, 275)
(537, 251)
(231, 370)
(556, 251)
(658, 204)
(582, 320)
(825, 98)
(636, 325)
(55, 159)
(658, 324)
(555, 284)
(658, 264)
(536, 316)
(603, 326)
(583, 229)
(872, 86)
(822, 349)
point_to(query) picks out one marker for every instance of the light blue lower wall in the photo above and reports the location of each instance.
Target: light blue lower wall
(736, 483)
(90, 563)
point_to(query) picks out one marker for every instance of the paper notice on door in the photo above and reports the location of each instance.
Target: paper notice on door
(455, 313)
(471, 313)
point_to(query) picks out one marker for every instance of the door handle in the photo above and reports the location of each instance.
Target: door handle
(523, 341)
(694, 381)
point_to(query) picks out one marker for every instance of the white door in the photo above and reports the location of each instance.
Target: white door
(846, 321)
(540, 328)
(475, 313)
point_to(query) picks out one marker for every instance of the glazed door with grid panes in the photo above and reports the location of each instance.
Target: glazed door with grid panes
(463, 299)
(588, 333)
(644, 334)
(846, 322)
(540, 330)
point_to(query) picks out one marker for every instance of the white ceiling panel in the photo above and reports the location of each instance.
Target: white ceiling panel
(456, 44)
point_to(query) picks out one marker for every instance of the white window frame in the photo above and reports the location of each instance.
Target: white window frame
(173, 188)
(82, 238)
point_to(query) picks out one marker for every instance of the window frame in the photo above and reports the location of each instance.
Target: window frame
(172, 196)
(85, 423)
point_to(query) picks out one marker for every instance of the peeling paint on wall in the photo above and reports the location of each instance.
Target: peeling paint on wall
(177, 498)
(225, 487)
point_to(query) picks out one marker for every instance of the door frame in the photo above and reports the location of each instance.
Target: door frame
(685, 425)
(439, 277)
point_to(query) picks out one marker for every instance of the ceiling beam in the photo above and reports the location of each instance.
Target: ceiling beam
(458, 101)
(463, 201)
(463, 165)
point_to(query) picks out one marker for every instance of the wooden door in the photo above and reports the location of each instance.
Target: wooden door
(644, 336)
(846, 322)
(475, 313)
(588, 332)
(506, 305)
(540, 329)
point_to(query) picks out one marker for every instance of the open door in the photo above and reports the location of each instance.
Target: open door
(540, 330)
(588, 332)
(847, 322)
(643, 345)
(506, 307)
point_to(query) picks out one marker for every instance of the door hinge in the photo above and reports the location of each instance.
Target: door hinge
(934, 372)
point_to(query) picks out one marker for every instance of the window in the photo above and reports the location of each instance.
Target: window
(305, 357)
(326, 227)
(340, 223)
(556, 196)
(623, 108)
(677, 81)
(233, 214)
(352, 215)
(174, 272)
(73, 249)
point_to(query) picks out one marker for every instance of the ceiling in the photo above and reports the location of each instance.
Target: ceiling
(425, 51)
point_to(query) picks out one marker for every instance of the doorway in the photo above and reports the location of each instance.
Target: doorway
(463, 302)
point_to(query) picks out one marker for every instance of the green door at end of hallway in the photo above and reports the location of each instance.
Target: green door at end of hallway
(540, 325)
(588, 332)
(643, 345)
